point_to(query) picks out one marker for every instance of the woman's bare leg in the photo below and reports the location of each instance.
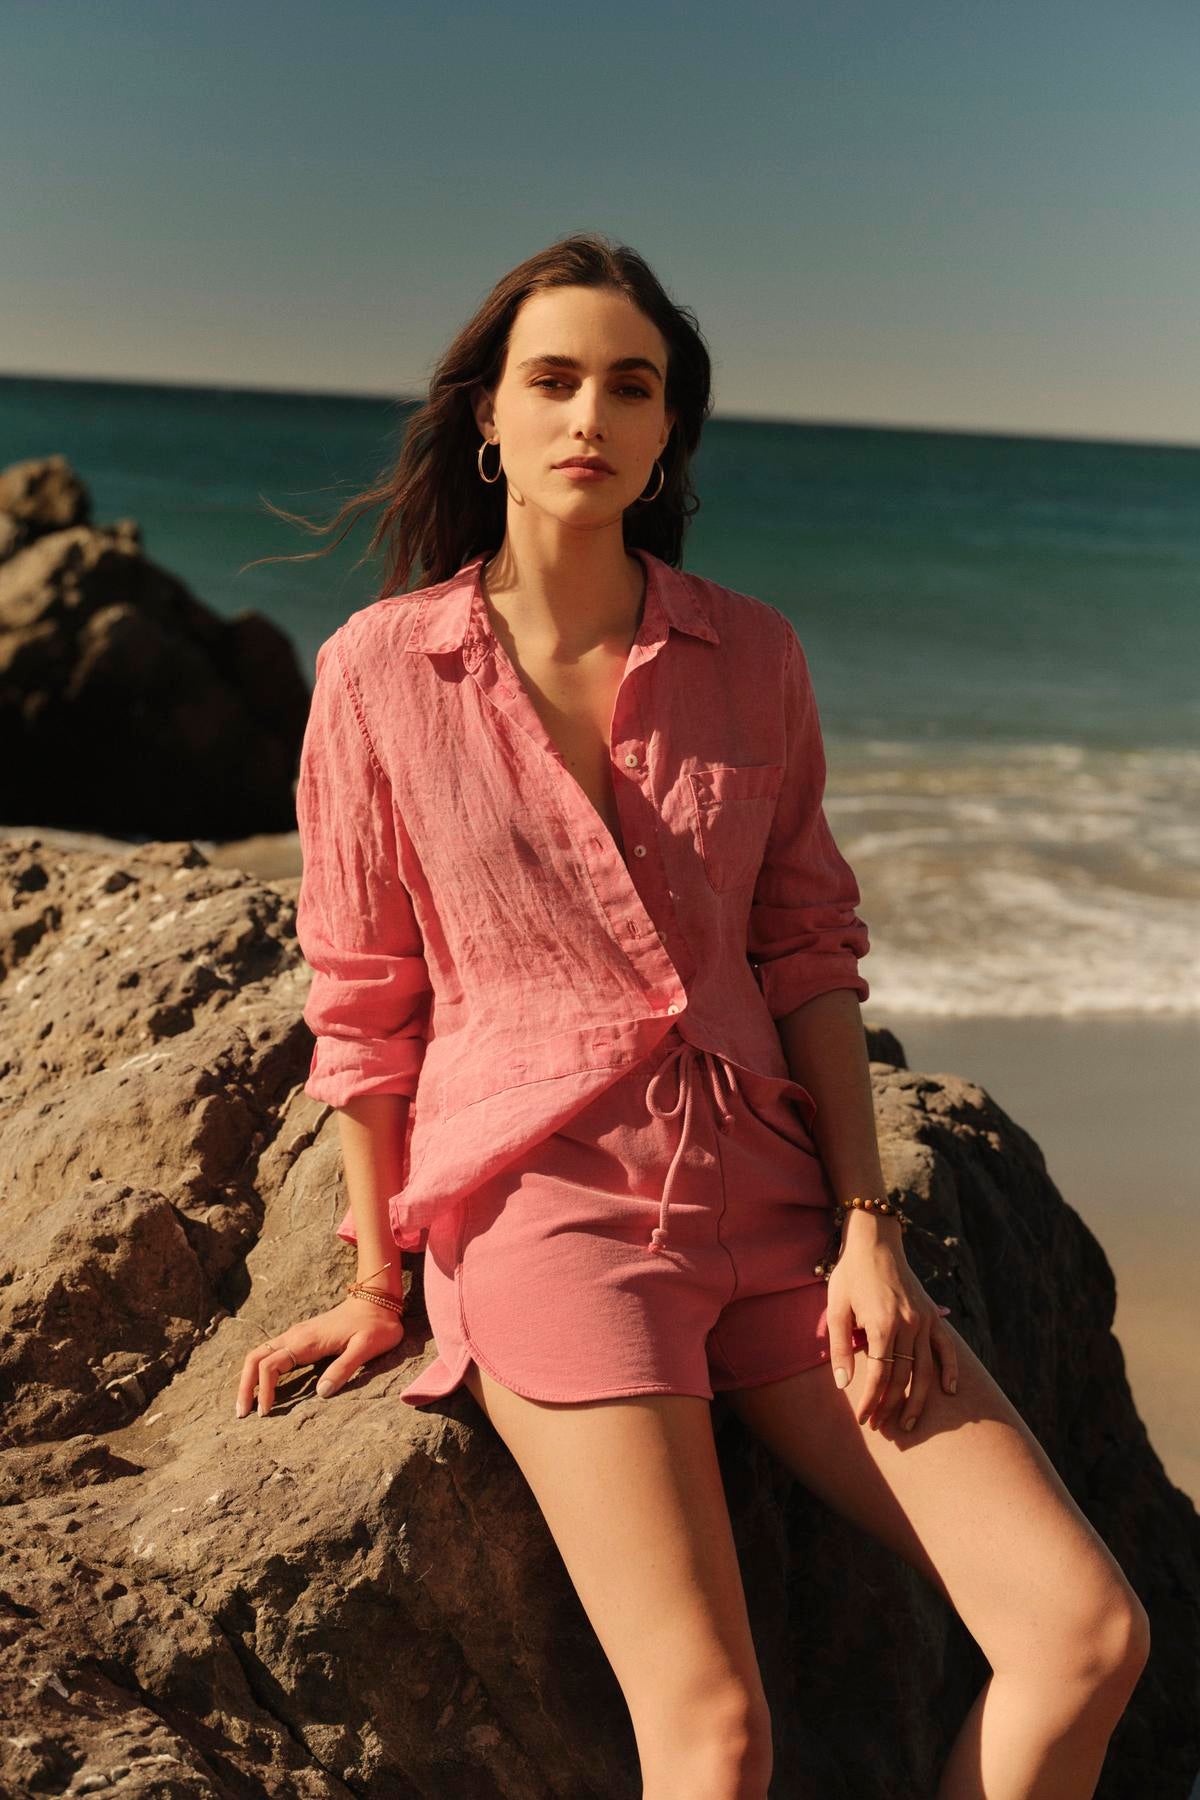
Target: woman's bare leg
(631, 1492)
(971, 1500)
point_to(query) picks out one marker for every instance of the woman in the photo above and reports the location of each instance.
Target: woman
(586, 997)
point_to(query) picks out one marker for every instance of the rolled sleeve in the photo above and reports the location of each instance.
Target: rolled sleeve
(368, 1003)
(805, 936)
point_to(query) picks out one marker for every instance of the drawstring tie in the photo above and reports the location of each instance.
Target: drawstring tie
(682, 1059)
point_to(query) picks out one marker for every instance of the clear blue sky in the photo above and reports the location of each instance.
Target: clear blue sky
(960, 215)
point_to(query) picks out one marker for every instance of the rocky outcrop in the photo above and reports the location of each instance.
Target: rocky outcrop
(352, 1597)
(126, 706)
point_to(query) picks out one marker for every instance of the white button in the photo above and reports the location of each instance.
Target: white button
(639, 849)
(672, 1009)
(631, 759)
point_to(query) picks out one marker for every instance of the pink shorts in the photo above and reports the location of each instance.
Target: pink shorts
(661, 1242)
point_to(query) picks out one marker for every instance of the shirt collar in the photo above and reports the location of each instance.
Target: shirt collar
(444, 612)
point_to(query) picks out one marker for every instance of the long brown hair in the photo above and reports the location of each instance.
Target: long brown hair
(436, 512)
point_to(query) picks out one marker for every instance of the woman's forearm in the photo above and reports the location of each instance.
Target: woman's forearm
(372, 1128)
(825, 1047)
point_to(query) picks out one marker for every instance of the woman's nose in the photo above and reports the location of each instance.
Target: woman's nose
(590, 412)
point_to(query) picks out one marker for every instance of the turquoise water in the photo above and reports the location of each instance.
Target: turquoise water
(1004, 635)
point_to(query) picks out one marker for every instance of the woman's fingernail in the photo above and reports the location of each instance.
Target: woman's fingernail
(943, 1310)
(239, 1411)
(841, 1377)
(324, 1389)
(954, 1386)
(909, 1423)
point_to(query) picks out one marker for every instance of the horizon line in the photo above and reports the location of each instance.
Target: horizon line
(813, 422)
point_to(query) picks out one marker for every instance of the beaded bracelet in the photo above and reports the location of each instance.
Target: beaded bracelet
(360, 1288)
(365, 1293)
(841, 1211)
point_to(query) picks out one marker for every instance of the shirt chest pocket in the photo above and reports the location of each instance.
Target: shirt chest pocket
(733, 805)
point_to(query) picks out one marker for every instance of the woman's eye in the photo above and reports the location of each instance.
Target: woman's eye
(548, 381)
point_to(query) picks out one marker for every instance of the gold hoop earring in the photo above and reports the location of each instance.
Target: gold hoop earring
(490, 479)
(658, 490)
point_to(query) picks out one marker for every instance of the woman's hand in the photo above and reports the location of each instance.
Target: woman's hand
(873, 1286)
(353, 1333)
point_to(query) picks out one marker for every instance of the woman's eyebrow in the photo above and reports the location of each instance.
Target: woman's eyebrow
(571, 362)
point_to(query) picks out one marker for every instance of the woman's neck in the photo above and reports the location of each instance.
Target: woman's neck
(567, 604)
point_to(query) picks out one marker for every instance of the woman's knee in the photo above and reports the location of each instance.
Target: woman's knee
(1120, 1638)
(1094, 1644)
(742, 1721)
(751, 1744)
(719, 1747)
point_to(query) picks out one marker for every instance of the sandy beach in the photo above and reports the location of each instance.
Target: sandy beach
(1107, 1100)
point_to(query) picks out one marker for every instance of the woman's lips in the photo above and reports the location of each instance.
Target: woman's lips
(578, 472)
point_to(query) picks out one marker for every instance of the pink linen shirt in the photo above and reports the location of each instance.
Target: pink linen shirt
(478, 941)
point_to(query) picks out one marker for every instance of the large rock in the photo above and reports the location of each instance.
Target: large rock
(351, 1596)
(126, 706)
(41, 495)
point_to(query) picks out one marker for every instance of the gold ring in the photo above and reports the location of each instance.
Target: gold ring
(905, 1355)
(881, 1358)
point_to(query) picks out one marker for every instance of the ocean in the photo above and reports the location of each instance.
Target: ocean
(1004, 636)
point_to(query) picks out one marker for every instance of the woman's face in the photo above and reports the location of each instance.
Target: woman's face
(561, 396)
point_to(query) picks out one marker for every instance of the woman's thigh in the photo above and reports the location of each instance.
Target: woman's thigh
(631, 1492)
(969, 1498)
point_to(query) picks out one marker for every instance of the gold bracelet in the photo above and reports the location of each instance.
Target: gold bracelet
(370, 1293)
